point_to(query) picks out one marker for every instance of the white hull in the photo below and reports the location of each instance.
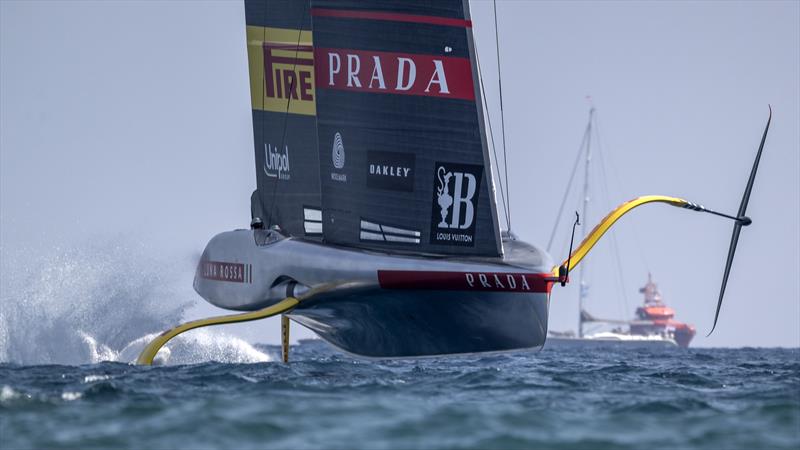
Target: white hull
(608, 339)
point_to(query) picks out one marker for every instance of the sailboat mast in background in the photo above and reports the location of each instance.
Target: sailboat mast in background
(584, 287)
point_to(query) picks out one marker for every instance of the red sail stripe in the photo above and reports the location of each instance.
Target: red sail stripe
(299, 48)
(291, 61)
(394, 17)
(466, 281)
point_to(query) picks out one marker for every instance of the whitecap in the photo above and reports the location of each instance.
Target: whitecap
(7, 393)
(70, 396)
(245, 378)
(197, 346)
(93, 378)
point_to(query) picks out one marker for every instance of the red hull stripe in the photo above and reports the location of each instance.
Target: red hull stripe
(465, 281)
(394, 17)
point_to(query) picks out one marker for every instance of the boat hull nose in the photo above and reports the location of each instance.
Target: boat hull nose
(390, 324)
(234, 272)
(684, 334)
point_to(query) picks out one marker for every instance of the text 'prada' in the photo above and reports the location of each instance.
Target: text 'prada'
(394, 73)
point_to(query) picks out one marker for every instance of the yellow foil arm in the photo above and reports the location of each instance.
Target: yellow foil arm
(610, 219)
(149, 352)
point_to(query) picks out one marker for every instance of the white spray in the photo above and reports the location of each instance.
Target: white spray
(102, 303)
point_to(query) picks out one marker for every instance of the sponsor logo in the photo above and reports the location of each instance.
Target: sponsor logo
(276, 163)
(338, 151)
(338, 158)
(393, 171)
(225, 271)
(465, 281)
(455, 202)
(498, 281)
(288, 83)
(281, 70)
(394, 73)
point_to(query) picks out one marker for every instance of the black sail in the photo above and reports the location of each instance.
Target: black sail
(280, 54)
(403, 160)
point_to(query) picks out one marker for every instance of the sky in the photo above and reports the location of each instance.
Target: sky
(128, 122)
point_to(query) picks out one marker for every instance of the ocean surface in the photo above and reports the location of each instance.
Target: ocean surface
(72, 321)
(556, 398)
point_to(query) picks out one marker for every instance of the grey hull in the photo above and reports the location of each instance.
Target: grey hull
(385, 305)
(424, 323)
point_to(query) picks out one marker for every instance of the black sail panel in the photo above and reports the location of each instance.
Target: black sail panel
(402, 152)
(280, 54)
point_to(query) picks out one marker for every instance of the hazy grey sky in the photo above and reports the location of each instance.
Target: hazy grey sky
(131, 121)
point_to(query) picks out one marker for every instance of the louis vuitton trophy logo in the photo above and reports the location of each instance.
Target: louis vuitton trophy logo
(443, 193)
(459, 198)
(456, 189)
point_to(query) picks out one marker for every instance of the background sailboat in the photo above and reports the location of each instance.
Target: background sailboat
(653, 325)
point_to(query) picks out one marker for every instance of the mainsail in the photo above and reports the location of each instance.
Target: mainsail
(280, 54)
(371, 136)
(403, 158)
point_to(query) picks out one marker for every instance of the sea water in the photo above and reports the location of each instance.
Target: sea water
(608, 398)
(68, 335)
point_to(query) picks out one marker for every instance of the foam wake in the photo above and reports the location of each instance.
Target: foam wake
(102, 303)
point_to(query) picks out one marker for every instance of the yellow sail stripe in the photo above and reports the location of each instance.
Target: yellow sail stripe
(609, 220)
(149, 352)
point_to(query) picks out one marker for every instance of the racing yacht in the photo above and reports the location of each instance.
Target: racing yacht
(374, 222)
